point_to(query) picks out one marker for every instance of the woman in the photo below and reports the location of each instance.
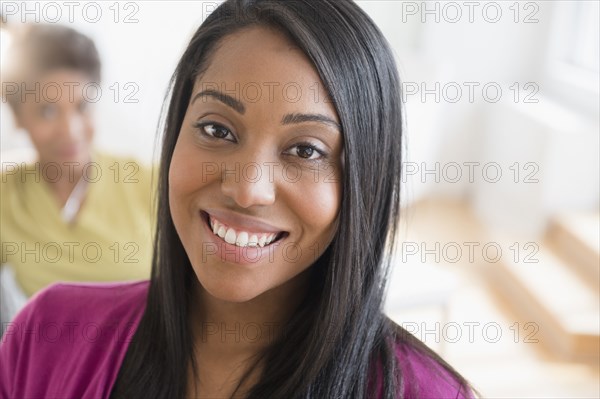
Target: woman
(278, 200)
(74, 214)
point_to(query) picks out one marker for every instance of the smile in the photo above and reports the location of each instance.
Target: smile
(241, 238)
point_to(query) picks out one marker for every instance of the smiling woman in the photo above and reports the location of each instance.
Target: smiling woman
(276, 208)
(259, 215)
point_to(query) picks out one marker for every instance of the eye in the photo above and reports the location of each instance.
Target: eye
(48, 111)
(307, 151)
(83, 106)
(215, 131)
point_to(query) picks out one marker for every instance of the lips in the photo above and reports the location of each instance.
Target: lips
(242, 236)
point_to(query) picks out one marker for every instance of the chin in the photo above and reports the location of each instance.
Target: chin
(233, 296)
(230, 290)
(237, 297)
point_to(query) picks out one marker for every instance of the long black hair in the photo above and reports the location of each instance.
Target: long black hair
(340, 332)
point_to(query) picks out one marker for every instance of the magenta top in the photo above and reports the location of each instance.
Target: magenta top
(70, 341)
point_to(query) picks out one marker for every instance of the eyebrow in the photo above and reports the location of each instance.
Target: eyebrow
(224, 98)
(288, 119)
(300, 118)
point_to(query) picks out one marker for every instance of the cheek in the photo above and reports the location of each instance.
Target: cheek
(88, 125)
(317, 206)
(187, 172)
(323, 203)
(179, 186)
(40, 133)
(38, 129)
(180, 175)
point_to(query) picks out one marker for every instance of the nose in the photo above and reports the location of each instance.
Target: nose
(249, 184)
(71, 126)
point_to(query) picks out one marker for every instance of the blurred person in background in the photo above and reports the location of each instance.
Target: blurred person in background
(74, 214)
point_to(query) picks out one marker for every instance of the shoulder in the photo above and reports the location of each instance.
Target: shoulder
(16, 178)
(68, 330)
(425, 377)
(128, 175)
(83, 300)
(13, 173)
(121, 168)
(91, 291)
(70, 306)
(87, 292)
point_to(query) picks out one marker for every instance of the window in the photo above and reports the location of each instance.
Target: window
(574, 54)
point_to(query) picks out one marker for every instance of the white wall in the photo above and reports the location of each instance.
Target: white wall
(555, 139)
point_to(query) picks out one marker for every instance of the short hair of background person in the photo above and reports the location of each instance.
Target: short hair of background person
(37, 49)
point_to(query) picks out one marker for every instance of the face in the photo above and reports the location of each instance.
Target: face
(254, 182)
(57, 117)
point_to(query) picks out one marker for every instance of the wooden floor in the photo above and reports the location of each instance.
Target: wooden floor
(464, 315)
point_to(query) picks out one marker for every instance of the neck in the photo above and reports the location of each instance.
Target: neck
(236, 330)
(228, 336)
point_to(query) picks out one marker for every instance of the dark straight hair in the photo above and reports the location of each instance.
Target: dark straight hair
(348, 281)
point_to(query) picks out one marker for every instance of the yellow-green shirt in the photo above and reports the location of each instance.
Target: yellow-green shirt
(110, 239)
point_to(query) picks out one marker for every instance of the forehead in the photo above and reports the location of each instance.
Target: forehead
(260, 64)
(57, 86)
(64, 76)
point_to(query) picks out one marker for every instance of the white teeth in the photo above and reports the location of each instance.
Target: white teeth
(253, 241)
(241, 239)
(230, 236)
(262, 240)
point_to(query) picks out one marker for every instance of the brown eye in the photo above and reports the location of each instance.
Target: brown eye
(215, 131)
(305, 151)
